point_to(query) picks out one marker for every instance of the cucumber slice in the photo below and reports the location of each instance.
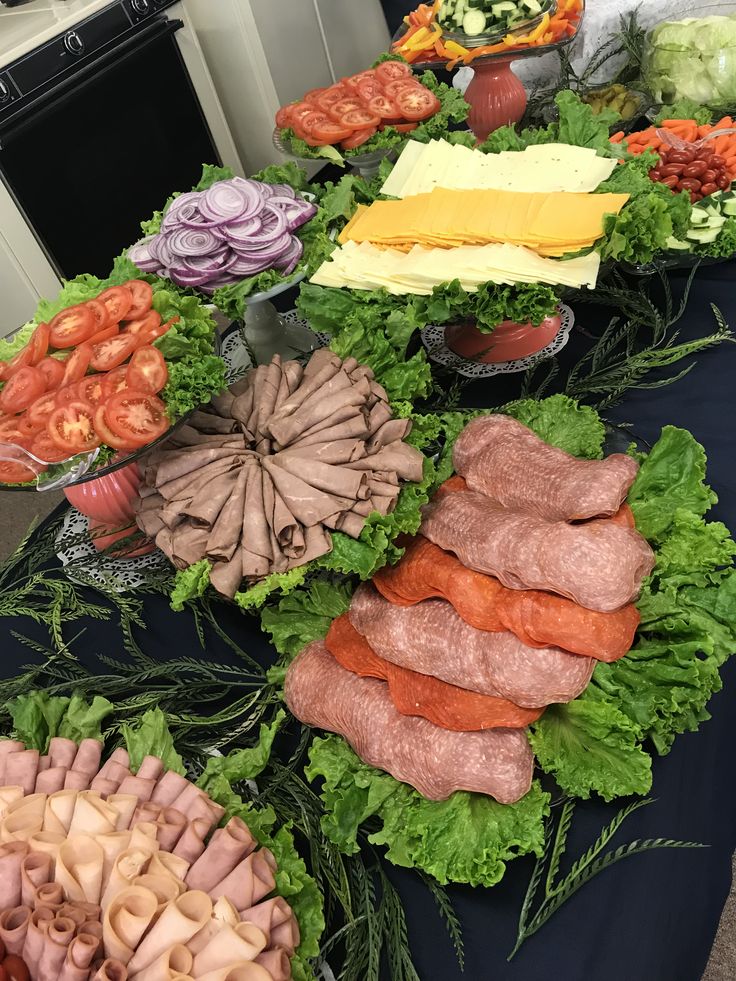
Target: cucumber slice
(675, 245)
(474, 22)
(504, 9)
(729, 207)
(699, 217)
(715, 221)
(703, 235)
(532, 7)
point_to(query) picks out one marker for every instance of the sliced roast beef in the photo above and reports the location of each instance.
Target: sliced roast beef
(431, 638)
(598, 564)
(434, 761)
(505, 460)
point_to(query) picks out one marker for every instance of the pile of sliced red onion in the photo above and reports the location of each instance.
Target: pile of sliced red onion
(235, 229)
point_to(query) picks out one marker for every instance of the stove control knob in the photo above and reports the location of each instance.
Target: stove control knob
(73, 43)
(4, 92)
(141, 7)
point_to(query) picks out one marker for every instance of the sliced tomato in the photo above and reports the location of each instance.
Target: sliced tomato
(389, 71)
(405, 127)
(52, 370)
(331, 132)
(117, 300)
(28, 426)
(107, 435)
(417, 103)
(359, 137)
(10, 430)
(91, 389)
(150, 334)
(147, 371)
(367, 89)
(39, 411)
(99, 312)
(75, 366)
(332, 95)
(360, 119)
(38, 344)
(309, 122)
(384, 107)
(71, 427)
(24, 387)
(15, 473)
(144, 324)
(46, 449)
(407, 82)
(112, 352)
(283, 117)
(338, 109)
(299, 109)
(19, 360)
(114, 381)
(313, 95)
(4, 371)
(66, 395)
(353, 80)
(71, 326)
(112, 330)
(142, 298)
(138, 417)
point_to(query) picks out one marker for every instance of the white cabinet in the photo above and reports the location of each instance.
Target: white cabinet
(263, 53)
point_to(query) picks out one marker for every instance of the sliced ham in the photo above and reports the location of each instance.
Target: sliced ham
(537, 618)
(434, 761)
(505, 460)
(423, 695)
(432, 639)
(599, 564)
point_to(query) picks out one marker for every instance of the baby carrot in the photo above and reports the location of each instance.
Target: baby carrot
(617, 137)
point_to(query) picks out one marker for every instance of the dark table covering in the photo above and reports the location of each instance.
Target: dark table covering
(652, 917)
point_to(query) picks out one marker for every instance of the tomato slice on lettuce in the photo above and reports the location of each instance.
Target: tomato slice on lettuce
(390, 71)
(137, 417)
(142, 298)
(75, 366)
(108, 436)
(20, 360)
(313, 95)
(10, 431)
(360, 119)
(417, 103)
(311, 120)
(385, 108)
(72, 428)
(405, 127)
(28, 426)
(115, 381)
(71, 326)
(143, 325)
(335, 93)
(46, 449)
(353, 81)
(407, 82)
(117, 301)
(40, 410)
(38, 344)
(99, 312)
(331, 132)
(53, 372)
(112, 352)
(283, 117)
(367, 89)
(151, 334)
(66, 394)
(359, 137)
(15, 473)
(112, 330)
(147, 371)
(25, 386)
(91, 389)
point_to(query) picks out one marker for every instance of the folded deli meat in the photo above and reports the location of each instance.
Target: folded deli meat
(258, 482)
(108, 875)
(524, 574)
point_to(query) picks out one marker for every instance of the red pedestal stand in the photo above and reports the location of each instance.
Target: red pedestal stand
(495, 95)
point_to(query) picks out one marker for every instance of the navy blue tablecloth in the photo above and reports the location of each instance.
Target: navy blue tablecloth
(652, 917)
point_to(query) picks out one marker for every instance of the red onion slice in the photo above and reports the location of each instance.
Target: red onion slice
(188, 242)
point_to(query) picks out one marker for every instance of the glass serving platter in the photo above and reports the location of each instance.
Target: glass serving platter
(494, 37)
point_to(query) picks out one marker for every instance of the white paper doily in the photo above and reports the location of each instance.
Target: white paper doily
(84, 564)
(433, 338)
(237, 356)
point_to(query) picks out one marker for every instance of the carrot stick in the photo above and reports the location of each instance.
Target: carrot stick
(617, 137)
(676, 123)
(724, 123)
(705, 130)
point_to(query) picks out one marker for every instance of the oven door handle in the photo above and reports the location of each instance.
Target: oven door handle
(87, 75)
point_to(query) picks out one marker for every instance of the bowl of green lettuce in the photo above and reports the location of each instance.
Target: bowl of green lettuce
(694, 58)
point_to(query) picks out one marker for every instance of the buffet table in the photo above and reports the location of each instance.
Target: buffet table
(651, 917)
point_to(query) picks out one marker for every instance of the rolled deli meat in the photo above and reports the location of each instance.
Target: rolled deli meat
(431, 638)
(505, 460)
(434, 761)
(598, 564)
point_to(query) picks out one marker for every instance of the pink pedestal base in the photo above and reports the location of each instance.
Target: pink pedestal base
(108, 504)
(495, 95)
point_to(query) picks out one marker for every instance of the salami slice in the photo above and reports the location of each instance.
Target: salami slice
(599, 564)
(434, 761)
(505, 460)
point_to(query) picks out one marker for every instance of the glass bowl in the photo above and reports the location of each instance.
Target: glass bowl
(493, 37)
(694, 57)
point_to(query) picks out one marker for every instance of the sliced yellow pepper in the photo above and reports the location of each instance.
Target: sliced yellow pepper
(456, 49)
(419, 40)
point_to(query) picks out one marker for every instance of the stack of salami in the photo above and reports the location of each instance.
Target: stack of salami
(523, 577)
